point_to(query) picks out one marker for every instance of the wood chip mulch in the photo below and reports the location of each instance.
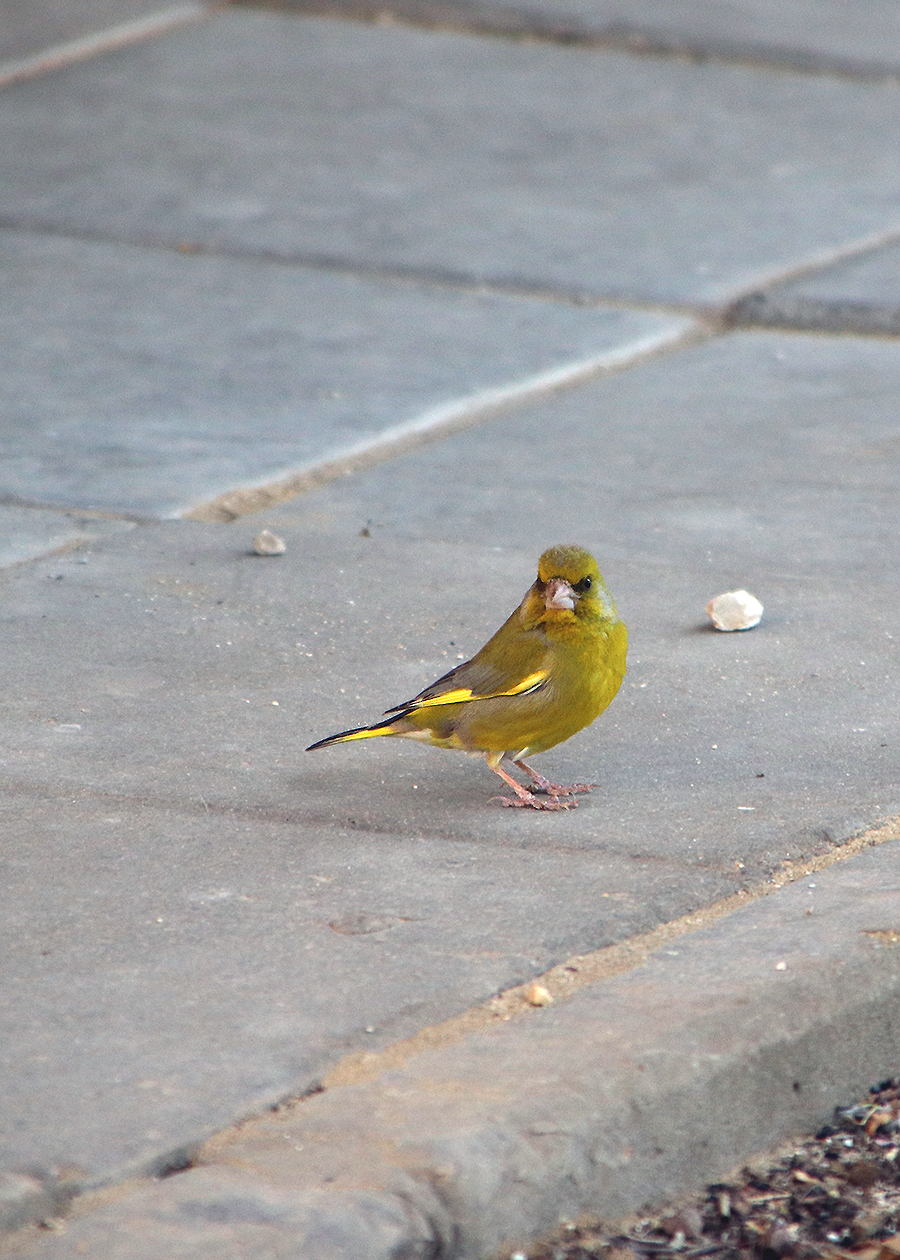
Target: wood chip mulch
(835, 1196)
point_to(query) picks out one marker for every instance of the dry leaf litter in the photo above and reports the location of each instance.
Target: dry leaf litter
(834, 1196)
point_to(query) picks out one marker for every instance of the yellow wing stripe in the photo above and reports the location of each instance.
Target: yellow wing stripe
(531, 683)
(449, 697)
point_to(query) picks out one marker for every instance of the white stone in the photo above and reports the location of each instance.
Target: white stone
(268, 544)
(735, 610)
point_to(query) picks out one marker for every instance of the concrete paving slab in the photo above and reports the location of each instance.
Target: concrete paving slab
(638, 1089)
(26, 533)
(860, 295)
(527, 165)
(754, 455)
(753, 461)
(736, 478)
(224, 1214)
(168, 971)
(699, 765)
(806, 35)
(28, 55)
(172, 681)
(41, 24)
(142, 381)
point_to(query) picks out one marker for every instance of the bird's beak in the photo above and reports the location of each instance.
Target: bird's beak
(559, 596)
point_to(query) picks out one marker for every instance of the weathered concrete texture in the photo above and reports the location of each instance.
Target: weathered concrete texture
(159, 696)
(26, 533)
(170, 969)
(255, 658)
(144, 381)
(33, 27)
(230, 1214)
(744, 462)
(29, 1196)
(198, 919)
(747, 457)
(640, 1088)
(805, 35)
(861, 295)
(488, 160)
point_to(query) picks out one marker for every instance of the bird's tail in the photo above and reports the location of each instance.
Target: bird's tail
(360, 732)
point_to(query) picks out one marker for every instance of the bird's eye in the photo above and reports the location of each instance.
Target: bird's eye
(584, 585)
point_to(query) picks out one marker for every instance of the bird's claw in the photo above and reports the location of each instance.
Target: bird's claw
(561, 789)
(531, 802)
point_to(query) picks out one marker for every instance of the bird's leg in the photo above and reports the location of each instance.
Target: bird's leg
(554, 789)
(526, 799)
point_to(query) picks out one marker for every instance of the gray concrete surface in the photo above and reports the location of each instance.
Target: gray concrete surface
(821, 35)
(169, 685)
(860, 295)
(26, 532)
(247, 249)
(142, 382)
(41, 39)
(38, 25)
(767, 1017)
(488, 161)
(171, 969)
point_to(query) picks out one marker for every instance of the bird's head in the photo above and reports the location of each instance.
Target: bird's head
(569, 585)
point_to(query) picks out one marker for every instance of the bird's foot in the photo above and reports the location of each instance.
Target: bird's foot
(546, 788)
(562, 789)
(528, 800)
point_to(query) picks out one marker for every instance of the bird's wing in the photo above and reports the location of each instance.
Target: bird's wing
(487, 676)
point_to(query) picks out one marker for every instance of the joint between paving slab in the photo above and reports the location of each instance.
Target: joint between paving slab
(746, 305)
(507, 22)
(67, 509)
(442, 421)
(815, 315)
(395, 273)
(558, 984)
(113, 37)
(576, 973)
(757, 306)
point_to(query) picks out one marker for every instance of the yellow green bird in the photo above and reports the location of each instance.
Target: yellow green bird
(550, 669)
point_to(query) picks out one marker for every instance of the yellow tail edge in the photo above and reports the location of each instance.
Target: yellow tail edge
(344, 737)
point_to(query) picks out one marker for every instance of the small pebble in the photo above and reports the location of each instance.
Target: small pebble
(268, 544)
(688, 1223)
(735, 610)
(537, 995)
